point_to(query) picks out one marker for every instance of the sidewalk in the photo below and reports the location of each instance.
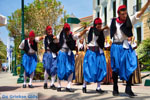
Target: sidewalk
(9, 84)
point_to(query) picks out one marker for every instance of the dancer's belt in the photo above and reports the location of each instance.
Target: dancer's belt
(48, 50)
(64, 49)
(81, 50)
(118, 43)
(94, 48)
(31, 53)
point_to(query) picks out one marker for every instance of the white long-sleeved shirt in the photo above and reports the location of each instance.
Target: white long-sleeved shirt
(75, 37)
(94, 39)
(55, 41)
(93, 43)
(22, 45)
(80, 46)
(119, 36)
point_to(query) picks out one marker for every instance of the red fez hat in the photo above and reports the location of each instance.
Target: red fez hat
(31, 34)
(66, 27)
(48, 27)
(121, 7)
(97, 21)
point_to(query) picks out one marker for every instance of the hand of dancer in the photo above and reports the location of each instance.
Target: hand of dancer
(54, 37)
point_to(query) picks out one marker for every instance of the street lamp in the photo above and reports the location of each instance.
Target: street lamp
(20, 79)
(15, 67)
(11, 47)
(11, 54)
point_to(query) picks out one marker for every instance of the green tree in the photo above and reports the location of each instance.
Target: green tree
(143, 52)
(37, 16)
(3, 53)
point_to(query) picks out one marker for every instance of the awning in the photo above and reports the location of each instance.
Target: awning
(73, 20)
(3, 20)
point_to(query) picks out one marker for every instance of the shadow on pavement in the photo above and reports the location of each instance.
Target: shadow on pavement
(77, 96)
(8, 88)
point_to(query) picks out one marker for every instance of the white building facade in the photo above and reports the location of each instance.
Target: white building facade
(3, 20)
(107, 9)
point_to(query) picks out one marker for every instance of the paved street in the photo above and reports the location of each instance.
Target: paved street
(8, 84)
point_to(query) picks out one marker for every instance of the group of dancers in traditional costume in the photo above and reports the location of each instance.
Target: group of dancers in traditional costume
(92, 65)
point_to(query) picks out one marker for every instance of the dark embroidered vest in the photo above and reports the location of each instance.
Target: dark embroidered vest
(126, 28)
(101, 39)
(54, 47)
(69, 40)
(26, 47)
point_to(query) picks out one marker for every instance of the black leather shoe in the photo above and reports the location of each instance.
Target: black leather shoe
(31, 86)
(100, 91)
(69, 90)
(53, 87)
(84, 89)
(58, 89)
(115, 93)
(24, 85)
(45, 85)
(130, 93)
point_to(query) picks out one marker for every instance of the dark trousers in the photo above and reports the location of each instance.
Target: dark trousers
(115, 80)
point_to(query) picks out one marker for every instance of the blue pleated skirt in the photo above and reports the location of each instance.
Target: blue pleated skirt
(50, 63)
(94, 66)
(29, 63)
(123, 61)
(65, 65)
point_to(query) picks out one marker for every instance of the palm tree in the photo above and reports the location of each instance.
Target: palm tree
(85, 24)
(2, 50)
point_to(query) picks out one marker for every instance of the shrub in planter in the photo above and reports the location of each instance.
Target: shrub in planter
(39, 72)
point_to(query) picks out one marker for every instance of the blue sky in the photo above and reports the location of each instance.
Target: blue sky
(80, 8)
